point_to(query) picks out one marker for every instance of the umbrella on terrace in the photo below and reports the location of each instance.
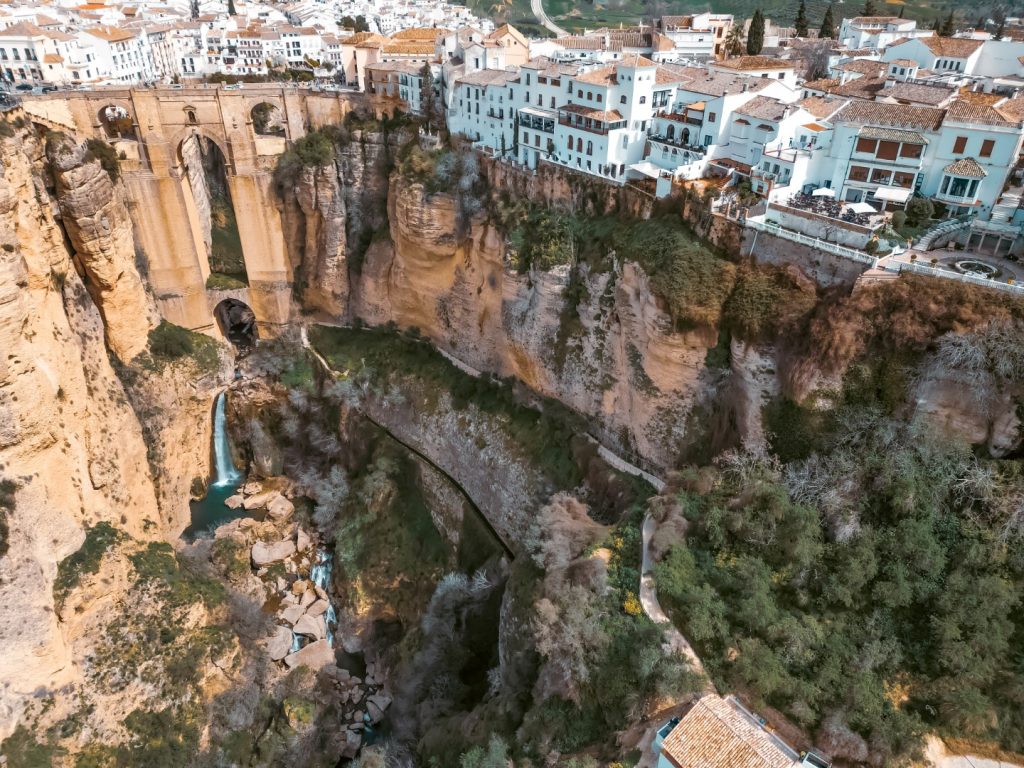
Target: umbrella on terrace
(861, 208)
(823, 192)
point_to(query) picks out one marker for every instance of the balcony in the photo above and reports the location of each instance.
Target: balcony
(951, 199)
(677, 141)
(536, 120)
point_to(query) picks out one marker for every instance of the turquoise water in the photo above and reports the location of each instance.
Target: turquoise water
(210, 511)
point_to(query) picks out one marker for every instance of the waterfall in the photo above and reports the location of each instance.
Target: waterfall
(227, 473)
(320, 575)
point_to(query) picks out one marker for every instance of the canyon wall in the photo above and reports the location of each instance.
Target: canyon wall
(70, 440)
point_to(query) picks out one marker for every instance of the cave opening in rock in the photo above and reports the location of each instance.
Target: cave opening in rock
(237, 322)
(204, 171)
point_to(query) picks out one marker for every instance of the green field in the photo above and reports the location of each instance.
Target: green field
(575, 16)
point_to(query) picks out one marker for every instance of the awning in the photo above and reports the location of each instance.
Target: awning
(547, 114)
(893, 194)
(647, 168)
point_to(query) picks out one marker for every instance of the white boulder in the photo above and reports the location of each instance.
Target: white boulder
(280, 643)
(234, 502)
(311, 626)
(316, 656)
(279, 508)
(265, 553)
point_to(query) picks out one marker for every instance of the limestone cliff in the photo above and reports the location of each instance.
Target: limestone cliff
(96, 220)
(70, 438)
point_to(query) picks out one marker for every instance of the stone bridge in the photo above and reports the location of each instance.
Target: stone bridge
(151, 128)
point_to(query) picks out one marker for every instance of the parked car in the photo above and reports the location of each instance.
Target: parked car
(24, 87)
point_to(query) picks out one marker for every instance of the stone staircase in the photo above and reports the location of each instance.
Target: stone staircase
(1003, 211)
(926, 240)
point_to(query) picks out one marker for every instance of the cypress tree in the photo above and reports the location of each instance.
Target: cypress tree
(755, 37)
(828, 24)
(231, 7)
(902, 9)
(801, 20)
(948, 27)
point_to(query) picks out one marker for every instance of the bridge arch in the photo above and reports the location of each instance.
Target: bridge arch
(115, 119)
(268, 119)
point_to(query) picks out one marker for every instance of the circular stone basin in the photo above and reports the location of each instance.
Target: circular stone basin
(976, 268)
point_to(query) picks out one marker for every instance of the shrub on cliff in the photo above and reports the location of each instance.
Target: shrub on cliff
(97, 149)
(7, 502)
(766, 301)
(169, 343)
(313, 150)
(98, 539)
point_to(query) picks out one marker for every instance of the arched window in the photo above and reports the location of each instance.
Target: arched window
(671, 132)
(191, 116)
(590, 147)
(579, 145)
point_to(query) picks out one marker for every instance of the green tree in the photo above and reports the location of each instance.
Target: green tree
(734, 43)
(231, 8)
(801, 20)
(828, 24)
(948, 26)
(495, 756)
(430, 105)
(755, 35)
(870, 9)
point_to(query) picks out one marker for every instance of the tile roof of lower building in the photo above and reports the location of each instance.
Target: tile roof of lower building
(819, 106)
(918, 93)
(764, 108)
(892, 134)
(754, 63)
(890, 115)
(966, 166)
(715, 735)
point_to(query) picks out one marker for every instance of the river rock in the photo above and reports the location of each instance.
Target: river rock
(299, 587)
(375, 706)
(234, 502)
(260, 499)
(319, 608)
(353, 741)
(280, 643)
(316, 656)
(292, 613)
(303, 541)
(320, 592)
(281, 584)
(265, 553)
(279, 508)
(308, 598)
(251, 488)
(312, 626)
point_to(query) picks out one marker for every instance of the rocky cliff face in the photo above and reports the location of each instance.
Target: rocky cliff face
(96, 220)
(69, 438)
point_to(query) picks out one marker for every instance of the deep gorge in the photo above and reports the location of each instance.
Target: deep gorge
(485, 559)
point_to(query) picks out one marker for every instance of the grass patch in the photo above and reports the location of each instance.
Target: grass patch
(158, 566)
(98, 539)
(218, 281)
(22, 750)
(384, 357)
(169, 343)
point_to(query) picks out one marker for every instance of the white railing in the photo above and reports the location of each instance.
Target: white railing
(813, 242)
(922, 269)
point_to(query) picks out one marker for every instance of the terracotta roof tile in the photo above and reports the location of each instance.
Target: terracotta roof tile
(748, 63)
(890, 115)
(952, 47)
(966, 166)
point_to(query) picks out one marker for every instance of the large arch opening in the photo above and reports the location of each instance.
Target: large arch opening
(267, 119)
(237, 322)
(117, 122)
(205, 171)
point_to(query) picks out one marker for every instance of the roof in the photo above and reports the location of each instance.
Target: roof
(714, 735)
(110, 34)
(966, 166)
(411, 47)
(973, 110)
(928, 95)
(486, 77)
(720, 83)
(610, 116)
(874, 19)
(952, 47)
(747, 63)
(890, 115)
(599, 76)
(892, 134)
(420, 33)
(764, 108)
(819, 106)
(815, 127)
(864, 67)
(860, 88)
(904, 62)
(22, 29)
(509, 31)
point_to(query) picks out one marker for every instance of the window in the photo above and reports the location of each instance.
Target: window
(579, 145)
(986, 148)
(527, 78)
(911, 150)
(888, 150)
(579, 93)
(643, 99)
(881, 176)
(858, 173)
(590, 147)
(570, 143)
(959, 145)
(552, 102)
(867, 145)
(590, 95)
(625, 142)
(622, 99)
(600, 98)
(905, 180)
